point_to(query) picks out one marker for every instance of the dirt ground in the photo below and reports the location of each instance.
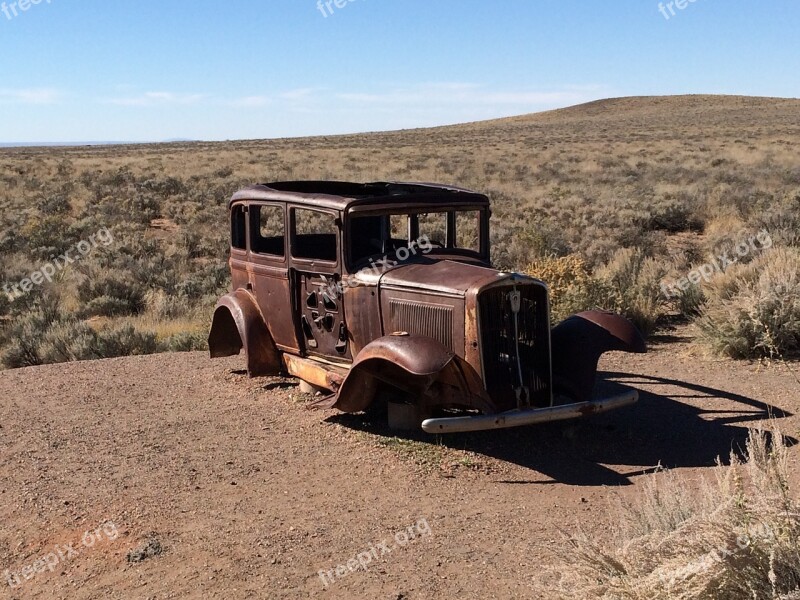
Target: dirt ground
(218, 486)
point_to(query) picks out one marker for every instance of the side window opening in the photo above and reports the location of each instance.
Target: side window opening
(267, 230)
(468, 230)
(315, 234)
(433, 226)
(238, 227)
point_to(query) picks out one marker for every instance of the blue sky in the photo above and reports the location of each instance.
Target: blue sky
(149, 70)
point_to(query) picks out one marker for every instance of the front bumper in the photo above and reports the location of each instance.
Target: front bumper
(518, 418)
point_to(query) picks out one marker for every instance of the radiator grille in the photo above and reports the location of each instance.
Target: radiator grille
(420, 318)
(500, 349)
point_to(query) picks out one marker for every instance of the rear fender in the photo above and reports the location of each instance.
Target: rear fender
(578, 343)
(416, 365)
(238, 323)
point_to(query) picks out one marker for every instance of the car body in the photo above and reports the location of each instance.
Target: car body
(386, 291)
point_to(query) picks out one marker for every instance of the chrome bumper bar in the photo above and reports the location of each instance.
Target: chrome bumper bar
(517, 418)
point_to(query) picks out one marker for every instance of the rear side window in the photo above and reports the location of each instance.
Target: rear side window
(238, 227)
(433, 226)
(267, 230)
(314, 236)
(468, 230)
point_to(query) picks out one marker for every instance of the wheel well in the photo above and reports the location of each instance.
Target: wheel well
(224, 339)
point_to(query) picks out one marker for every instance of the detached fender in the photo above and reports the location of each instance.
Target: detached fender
(419, 366)
(579, 341)
(238, 323)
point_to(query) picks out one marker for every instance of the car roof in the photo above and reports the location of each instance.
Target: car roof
(341, 195)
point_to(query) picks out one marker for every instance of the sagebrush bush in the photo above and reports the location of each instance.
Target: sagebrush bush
(753, 310)
(66, 341)
(24, 335)
(46, 336)
(126, 340)
(572, 287)
(690, 302)
(111, 295)
(5, 303)
(187, 341)
(730, 537)
(635, 280)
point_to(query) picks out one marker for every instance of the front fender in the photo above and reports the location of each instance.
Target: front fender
(238, 323)
(578, 343)
(419, 366)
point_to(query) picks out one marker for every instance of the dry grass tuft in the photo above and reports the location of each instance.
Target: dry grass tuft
(731, 537)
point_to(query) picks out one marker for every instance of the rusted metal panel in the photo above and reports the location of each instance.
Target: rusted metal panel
(272, 289)
(339, 195)
(362, 307)
(237, 314)
(329, 377)
(443, 276)
(415, 365)
(578, 343)
(423, 318)
(432, 315)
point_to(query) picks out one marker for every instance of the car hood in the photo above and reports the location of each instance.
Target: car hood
(444, 276)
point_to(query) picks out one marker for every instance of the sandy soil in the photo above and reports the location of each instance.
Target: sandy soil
(249, 495)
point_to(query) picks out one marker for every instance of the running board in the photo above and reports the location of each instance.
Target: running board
(518, 418)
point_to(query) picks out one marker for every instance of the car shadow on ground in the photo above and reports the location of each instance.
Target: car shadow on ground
(660, 430)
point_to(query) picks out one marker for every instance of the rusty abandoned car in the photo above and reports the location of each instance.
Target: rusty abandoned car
(386, 292)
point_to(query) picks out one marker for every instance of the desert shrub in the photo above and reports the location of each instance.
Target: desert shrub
(187, 341)
(45, 236)
(572, 287)
(167, 187)
(675, 214)
(629, 285)
(211, 279)
(164, 306)
(635, 280)
(690, 302)
(111, 295)
(46, 338)
(782, 223)
(23, 337)
(107, 306)
(22, 351)
(9, 239)
(127, 341)
(753, 310)
(56, 204)
(67, 341)
(730, 537)
(115, 179)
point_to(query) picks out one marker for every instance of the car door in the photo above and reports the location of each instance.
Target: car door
(316, 273)
(269, 265)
